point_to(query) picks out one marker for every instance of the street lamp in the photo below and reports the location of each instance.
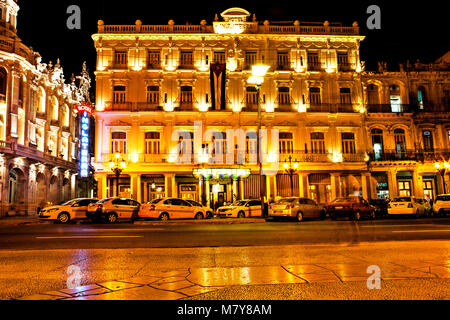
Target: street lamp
(291, 169)
(117, 166)
(257, 79)
(442, 167)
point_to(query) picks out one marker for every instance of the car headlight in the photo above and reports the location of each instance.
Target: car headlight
(52, 210)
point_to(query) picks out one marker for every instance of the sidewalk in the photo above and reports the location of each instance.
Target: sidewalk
(21, 220)
(215, 221)
(271, 282)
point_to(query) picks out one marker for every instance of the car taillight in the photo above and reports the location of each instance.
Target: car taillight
(410, 206)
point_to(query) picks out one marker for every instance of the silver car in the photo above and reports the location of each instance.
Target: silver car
(296, 208)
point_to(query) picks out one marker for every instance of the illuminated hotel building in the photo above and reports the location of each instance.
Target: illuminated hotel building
(38, 132)
(351, 131)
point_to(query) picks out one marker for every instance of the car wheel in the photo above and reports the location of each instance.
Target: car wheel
(417, 214)
(63, 218)
(112, 218)
(299, 216)
(164, 217)
(441, 213)
(323, 215)
(241, 215)
(209, 215)
(199, 216)
(357, 216)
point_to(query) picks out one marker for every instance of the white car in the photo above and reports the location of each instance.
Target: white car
(407, 206)
(72, 210)
(442, 205)
(241, 209)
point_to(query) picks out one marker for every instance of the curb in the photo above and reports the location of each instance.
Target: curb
(23, 222)
(201, 222)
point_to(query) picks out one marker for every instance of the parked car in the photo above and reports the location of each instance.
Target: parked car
(354, 208)
(441, 206)
(114, 209)
(172, 208)
(75, 209)
(297, 208)
(241, 209)
(381, 207)
(408, 206)
(209, 213)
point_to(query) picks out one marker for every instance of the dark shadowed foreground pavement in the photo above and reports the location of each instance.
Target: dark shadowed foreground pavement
(313, 260)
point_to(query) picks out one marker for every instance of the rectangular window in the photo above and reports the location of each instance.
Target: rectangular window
(314, 61)
(186, 95)
(119, 95)
(317, 143)
(154, 59)
(284, 96)
(250, 59)
(348, 143)
(286, 143)
(251, 96)
(346, 95)
(152, 143)
(121, 59)
(219, 57)
(186, 60)
(119, 142)
(314, 96)
(342, 60)
(283, 60)
(153, 95)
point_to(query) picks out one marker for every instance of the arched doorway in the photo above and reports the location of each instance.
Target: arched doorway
(41, 191)
(17, 190)
(54, 192)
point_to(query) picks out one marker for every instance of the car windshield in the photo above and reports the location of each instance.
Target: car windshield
(239, 204)
(402, 199)
(69, 203)
(103, 201)
(342, 200)
(155, 201)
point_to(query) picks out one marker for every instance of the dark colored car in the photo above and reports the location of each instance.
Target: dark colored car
(354, 208)
(381, 207)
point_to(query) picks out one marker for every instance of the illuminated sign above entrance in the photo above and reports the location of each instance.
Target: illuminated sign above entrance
(222, 173)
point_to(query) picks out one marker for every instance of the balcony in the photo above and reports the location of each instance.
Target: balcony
(147, 107)
(284, 67)
(316, 66)
(331, 108)
(54, 123)
(118, 106)
(411, 155)
(346, 67)
(388, 108)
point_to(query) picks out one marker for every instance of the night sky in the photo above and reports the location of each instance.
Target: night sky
(410, 29)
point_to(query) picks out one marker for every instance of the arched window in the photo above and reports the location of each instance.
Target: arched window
(41, 100)
(395, 98)
(421, 97)
(3, 84)
(377, 143)
(372, 93)
(428, 144)
(66, 116)
(55, 109)
(400, 141)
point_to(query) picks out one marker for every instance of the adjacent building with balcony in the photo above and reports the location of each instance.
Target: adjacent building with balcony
(38, 130)
(351, 131)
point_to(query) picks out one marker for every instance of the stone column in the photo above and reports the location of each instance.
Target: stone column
(208, 194)
(365, 186)
(418, 184)
(392, 180)
(334, 186)
(136, 187)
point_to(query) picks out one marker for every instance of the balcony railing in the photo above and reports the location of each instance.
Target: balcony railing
(302, 28)
(331, 108)
(411, 155)
(388, 108)
(116, 106)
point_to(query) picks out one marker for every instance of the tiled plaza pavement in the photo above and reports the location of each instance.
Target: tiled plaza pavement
(185, 284)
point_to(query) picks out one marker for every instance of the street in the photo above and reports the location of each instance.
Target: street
(215, 261)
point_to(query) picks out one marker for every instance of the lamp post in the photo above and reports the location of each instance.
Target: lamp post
(257, 79)
(442, 167)
(117, 166)
(291, 169)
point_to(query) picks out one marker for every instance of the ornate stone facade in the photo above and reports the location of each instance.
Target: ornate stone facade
(38, 124)
(340, 122)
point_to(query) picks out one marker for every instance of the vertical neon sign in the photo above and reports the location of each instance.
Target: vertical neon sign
(85, 112)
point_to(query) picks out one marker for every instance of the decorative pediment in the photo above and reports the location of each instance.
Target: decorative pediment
(119, 123)
(286, 124)
(153, 123)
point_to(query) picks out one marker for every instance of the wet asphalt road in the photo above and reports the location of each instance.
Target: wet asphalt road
(126, 235)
